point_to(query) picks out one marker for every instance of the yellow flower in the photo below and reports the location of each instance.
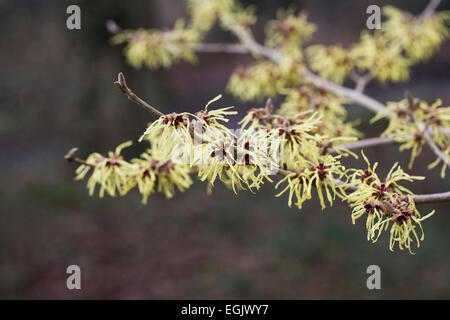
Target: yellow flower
(217, 160)
(299, 186)
(204, 13)
(110, 173)
(324, 175)
(171, 133)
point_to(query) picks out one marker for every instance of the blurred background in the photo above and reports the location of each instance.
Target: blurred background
(57, 92)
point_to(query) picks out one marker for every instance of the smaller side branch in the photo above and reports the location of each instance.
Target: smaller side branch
(122, 85)
(70, 157)
(435, 148)
(429, 141)
(367, 143)
(361, 80)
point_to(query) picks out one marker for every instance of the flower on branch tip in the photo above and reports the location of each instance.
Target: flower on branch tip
(386, 204)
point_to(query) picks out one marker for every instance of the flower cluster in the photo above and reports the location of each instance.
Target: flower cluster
(304, 155)
(112, 173)
(419, 39)
(185, 144)
(388, 53)
(411, 119)
(386, 205)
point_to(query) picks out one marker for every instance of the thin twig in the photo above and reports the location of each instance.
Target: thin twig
(435, 148)
(122, 85)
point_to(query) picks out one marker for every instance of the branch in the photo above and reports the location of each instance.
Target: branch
(220, 48)
(352, 94)
(122, 85)
(432, 197)
(428, 11)
(247, 39)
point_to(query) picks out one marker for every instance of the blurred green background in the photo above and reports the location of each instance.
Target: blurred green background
(57, 92)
